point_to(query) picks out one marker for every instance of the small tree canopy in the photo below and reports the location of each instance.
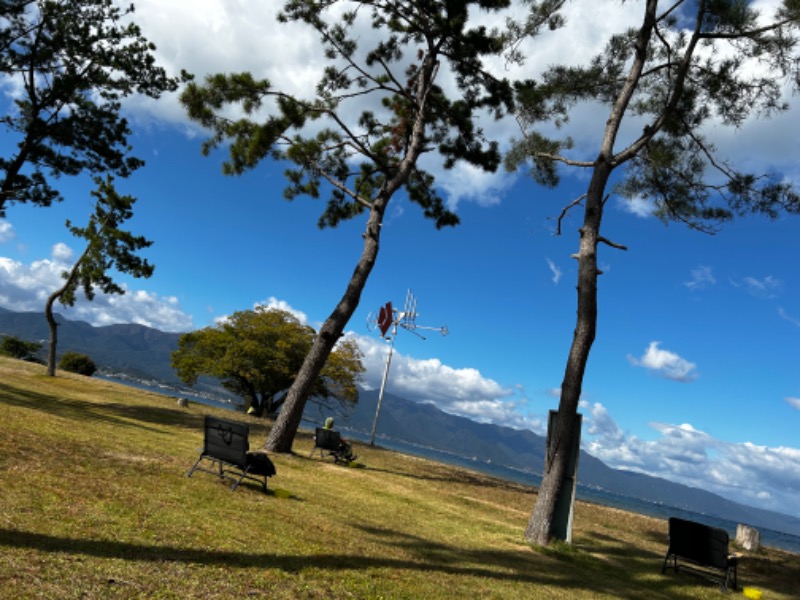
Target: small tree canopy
(16, 348)
(75, 362)
(256, 355)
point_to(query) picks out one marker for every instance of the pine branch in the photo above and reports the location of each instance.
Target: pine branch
(567, 161)
(749, 34)
(336, 183)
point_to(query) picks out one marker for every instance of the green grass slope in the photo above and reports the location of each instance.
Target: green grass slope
(94, 504)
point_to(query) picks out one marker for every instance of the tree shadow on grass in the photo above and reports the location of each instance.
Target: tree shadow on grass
(777, 571)
(117, 413)
(521, 566)
(633, 558)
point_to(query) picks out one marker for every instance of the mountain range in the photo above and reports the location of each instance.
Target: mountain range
(143, 353)
(132, 350)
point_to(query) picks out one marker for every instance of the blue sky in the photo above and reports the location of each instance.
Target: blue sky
(693, 376)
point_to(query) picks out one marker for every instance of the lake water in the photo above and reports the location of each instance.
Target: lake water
(775, 539)
(167, 390)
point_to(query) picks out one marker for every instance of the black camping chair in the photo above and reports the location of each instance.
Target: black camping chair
(330, 442)
(225, 443)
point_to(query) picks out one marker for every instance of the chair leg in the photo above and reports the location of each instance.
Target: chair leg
(665, 566)
(238, 481)
(731, 577)
(194, 466)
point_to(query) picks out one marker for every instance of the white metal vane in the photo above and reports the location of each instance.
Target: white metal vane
(390, 318)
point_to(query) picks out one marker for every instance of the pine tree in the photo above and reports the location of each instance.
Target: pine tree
(687, 66)
(108, 247)
(403, 113)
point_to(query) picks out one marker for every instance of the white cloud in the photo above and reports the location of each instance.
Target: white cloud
(465, 391)
(135, 306)
(666, 363)
(467, 183)
(702, 277)
(245, 36)
(784, 315)
(25, 288)
(641, 207)
(14, 88)
(793, 402)
(61, 252)
(555, 270)
(743, 472)
(273, 302)
(6, 232)
(768, 287)
(600, 422)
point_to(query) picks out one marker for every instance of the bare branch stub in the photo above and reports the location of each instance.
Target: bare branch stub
(566, 209)
(610, 243)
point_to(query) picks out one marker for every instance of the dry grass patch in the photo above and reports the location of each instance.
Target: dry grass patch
(95, 505)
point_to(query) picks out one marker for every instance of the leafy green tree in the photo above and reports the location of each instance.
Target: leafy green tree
(256, 354)
(688, 68)
(108, 247)
(16, 348)
(74, 362)
(401, 111)
(72, 61)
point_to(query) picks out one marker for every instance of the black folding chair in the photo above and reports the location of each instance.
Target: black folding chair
(226, 445)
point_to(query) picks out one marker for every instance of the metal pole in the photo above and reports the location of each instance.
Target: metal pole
(383, 386)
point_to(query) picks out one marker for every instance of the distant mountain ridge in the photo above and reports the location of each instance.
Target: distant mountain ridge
(144, 353)
(134, 350)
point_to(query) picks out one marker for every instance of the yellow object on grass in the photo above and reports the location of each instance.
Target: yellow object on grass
(752, 593)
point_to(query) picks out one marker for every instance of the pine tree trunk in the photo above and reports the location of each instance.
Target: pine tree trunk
(48, 311)
(541, 524)
(285, 428)
(7, 191)
(51, 321)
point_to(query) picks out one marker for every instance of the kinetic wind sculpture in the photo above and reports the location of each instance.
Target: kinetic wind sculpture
(389, 318)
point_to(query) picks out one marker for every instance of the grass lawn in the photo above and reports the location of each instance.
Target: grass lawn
(94, 504)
